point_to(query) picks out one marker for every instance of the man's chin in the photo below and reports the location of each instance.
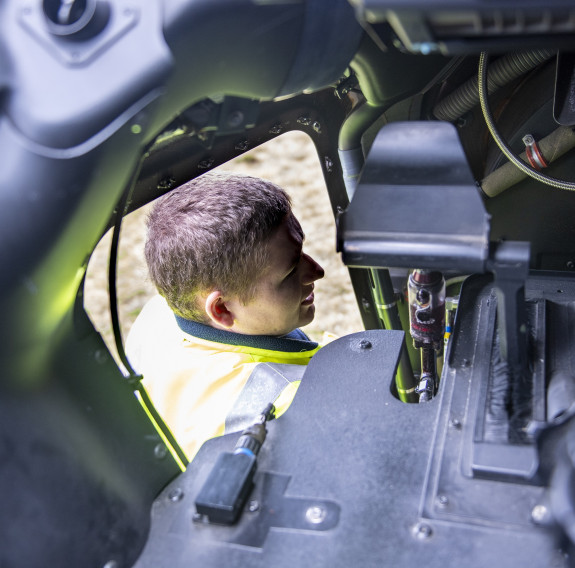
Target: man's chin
(307, 315)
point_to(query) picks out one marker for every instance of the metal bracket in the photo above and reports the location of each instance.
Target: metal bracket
(417, 206)
(509, 262)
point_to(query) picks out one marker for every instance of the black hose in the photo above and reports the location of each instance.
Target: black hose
(503, 71)
(134, 378)
(112, 272)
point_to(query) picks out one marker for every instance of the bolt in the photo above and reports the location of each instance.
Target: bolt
(365, 344)
(540, 514)
(528, 140)
(317, 126)
(422, 531)
(276, 129)
(455, 423)
(315, 515)
(328, 164)
(176, 495)
(253, 506)
(443, 500)
(160, 451)
(304, 120)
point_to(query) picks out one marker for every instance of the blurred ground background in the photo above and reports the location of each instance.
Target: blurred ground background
(291, 162)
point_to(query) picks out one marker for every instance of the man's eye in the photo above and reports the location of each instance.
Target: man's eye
(292, 271)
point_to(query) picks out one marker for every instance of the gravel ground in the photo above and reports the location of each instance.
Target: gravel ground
(289, 161)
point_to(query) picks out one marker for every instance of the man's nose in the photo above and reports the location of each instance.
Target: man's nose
(314, 270)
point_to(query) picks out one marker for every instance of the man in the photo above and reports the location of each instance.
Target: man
(223, 340)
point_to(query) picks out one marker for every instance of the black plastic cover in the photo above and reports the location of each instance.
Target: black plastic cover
(416, 204)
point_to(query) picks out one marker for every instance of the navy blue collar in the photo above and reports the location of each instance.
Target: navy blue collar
(294, 342)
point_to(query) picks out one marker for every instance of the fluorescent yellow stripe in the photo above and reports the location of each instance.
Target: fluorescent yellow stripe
(285, 398)
(177, 459)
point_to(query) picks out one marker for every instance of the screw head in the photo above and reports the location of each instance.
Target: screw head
(455, 423)
(235, 119)
(540, 514)
(442, 500)
(176, 495)
(315, 514)
(365, 344)
(422, 531)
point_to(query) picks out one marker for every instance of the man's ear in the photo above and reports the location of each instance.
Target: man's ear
(218, 311)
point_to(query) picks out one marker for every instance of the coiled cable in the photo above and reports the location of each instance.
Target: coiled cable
(507, 152)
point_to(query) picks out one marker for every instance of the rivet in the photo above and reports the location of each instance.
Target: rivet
(365, 344)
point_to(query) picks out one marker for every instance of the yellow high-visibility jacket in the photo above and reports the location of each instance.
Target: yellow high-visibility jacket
(205, 382)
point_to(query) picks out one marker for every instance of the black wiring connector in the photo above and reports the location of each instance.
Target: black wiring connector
(226, 489)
